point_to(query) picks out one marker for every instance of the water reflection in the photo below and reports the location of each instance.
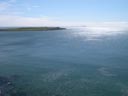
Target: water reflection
(97, 33)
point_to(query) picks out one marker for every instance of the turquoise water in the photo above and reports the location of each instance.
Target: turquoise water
(72, 62)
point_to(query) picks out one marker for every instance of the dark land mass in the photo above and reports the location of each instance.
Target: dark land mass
(32, 29)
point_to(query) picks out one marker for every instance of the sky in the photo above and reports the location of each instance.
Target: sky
(62, 12)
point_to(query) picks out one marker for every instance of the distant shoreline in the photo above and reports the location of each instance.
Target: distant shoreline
(32, 29)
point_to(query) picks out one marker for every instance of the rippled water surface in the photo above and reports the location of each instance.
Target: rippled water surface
(72, 62)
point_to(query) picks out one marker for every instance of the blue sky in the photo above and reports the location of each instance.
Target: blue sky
(62, 11)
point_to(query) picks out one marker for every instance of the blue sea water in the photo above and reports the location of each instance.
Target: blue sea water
(72, 62)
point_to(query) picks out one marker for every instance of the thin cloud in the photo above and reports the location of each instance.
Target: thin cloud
(6, 8)
(12, 1)
(6, 4)
(35, 6)
(14, 20)
(9, 20)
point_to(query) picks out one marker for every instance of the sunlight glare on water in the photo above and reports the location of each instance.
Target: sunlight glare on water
(97, 32)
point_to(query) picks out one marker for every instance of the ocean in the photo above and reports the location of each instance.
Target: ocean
(71, 62)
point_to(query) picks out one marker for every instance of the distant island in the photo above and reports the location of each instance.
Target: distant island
(32, 29)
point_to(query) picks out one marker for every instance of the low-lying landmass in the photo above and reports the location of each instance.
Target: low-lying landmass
(32, 29)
